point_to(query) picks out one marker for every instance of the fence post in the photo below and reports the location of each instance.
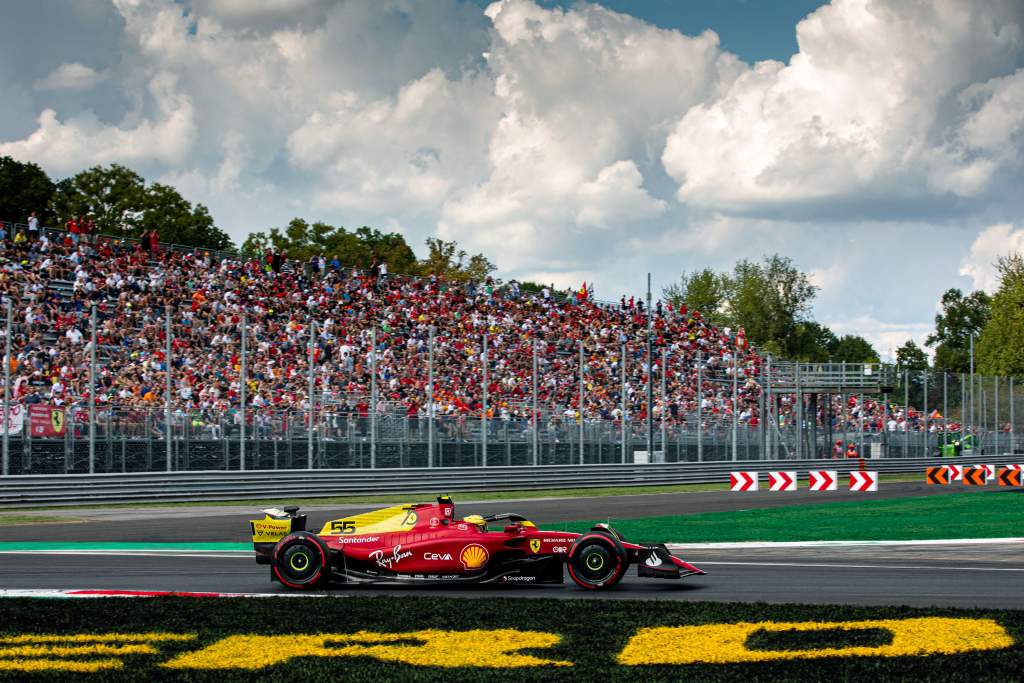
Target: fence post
(581, 401)
(92, 390)
(536, 417)
(483, 411)
(735, 394)
(7, 390)
(924, 411)
(168, 433)
(430, 397)
(799, 415)
(945, 405)
(664, 405)
(242, 396)
(622, 402)
(373, 398)
(700, 408)
(972, 392)
(1013, 427)
(906, 412)
(311, 394)
(766, 417)
(650, 373)
(995, 422)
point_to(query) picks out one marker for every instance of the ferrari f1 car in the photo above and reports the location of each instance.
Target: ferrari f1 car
(427, 543)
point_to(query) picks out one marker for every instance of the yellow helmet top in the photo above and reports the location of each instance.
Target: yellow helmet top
(475, 519)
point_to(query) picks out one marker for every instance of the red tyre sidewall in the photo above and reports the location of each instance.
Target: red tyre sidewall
(620, 567)
(307, 540)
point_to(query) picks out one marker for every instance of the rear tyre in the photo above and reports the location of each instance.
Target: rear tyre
(300, 561)
(597, 561)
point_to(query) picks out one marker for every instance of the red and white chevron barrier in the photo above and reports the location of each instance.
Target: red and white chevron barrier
(743, 481)
(956, 472)
(823, 480)
(782, 481)
(863, 481)
(990, 471)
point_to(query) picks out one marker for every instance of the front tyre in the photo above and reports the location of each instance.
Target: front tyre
(300, 561)
(597, 561)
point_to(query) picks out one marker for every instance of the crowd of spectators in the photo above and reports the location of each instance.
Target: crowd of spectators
(53, 281)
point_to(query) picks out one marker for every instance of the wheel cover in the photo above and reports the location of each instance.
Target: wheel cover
(299, 564)
(596, 563)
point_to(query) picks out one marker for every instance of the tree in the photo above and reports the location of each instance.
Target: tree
(701, 290)
(852, 348)
(812, 342)
(446, 259)
(961, 316)
(910, 356)
(24, 188)
(1000, 347)
(122, 204)
(769, 300)
(302, 240)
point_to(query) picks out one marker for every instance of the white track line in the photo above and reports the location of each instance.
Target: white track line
(838, 544)
(865, 566)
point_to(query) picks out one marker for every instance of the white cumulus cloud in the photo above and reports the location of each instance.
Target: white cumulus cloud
(993, 243)
(70, 76)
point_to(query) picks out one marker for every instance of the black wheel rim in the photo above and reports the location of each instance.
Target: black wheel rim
(299, 563)
(595, 563)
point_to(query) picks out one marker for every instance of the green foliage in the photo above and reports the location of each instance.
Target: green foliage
(1000, 348)
(122, 204)
(24, 188)
(359, 248)
(910, 356)
(701, 290)
(961, 316)
(853, 348)
(446, 259)
(812, 342)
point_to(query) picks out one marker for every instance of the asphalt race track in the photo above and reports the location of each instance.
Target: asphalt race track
(950, 575)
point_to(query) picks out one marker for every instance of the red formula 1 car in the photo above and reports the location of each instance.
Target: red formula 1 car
(427, 543)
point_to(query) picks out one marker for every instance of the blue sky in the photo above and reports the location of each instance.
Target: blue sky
(752, 29)
(883, 151)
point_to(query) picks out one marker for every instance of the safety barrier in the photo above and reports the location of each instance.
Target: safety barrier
(84, 489)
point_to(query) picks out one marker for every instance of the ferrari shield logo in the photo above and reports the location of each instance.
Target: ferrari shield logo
(535, 545)
(57, 420)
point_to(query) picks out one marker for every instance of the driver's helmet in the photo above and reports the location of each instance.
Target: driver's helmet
(476, 520)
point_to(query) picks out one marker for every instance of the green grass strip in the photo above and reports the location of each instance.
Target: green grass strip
(10, 520)
(957, 515)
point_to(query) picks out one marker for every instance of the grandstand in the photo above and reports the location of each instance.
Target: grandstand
(518, 367)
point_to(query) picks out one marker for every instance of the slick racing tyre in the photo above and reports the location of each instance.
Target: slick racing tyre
(597, 561)
(300, 561)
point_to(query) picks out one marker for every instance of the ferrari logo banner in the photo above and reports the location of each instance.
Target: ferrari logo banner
(46, 421)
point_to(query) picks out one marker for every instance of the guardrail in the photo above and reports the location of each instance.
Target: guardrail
(82, 489)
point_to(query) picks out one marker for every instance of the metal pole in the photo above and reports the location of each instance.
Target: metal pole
(924, 411)
(242, 397)
(483, 411)
(581, 401)
(735, 394)
(311, 394)
(650, 373)
(945, 405)
(972, 385)
(664, 404)
(799, 415)
(995, 422)
(622, 401)
(7, 388)
(373, 398)
(700, 401)
(1013, 429)
(535, 416)
(906, 412)
(168, 434)
(430, 397)
(92, 390)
